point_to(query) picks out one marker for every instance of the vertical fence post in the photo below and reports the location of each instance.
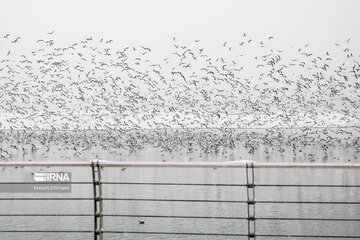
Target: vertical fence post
(250, 200)
(98, 201)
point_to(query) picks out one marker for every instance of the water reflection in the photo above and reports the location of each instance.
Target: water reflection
(270, 145)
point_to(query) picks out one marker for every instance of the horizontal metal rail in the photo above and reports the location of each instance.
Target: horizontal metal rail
(175, 200)
(194, 184)
(181, 233)
(48, 198)
(307, 236)
(177, 217)
(175, 184)
(181, 200)
(231, 164)
(46, 231)
(46, 215)
(180, 128)
(233, 218)
(39, 183)
(232, 235)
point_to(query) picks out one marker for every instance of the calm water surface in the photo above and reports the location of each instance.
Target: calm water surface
(208, 209)
(65, 147)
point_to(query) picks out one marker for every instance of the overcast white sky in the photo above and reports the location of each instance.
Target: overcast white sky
(155, 22)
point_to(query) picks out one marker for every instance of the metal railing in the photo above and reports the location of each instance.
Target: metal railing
(247, 171)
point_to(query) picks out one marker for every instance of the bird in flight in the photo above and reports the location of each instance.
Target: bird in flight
(16, 40)
(50, 33)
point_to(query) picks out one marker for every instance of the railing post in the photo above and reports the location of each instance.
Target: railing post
(98, 201)
(250, 200)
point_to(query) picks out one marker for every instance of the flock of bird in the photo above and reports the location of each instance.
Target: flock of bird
(129, 97)
(268, 144)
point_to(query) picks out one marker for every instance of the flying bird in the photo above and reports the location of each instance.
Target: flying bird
(16, 40)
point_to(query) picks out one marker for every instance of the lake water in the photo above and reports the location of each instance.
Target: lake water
(127, 223)
(327, 145)
(185, 145)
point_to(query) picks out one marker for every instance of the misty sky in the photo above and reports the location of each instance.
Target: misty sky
(155, 22)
